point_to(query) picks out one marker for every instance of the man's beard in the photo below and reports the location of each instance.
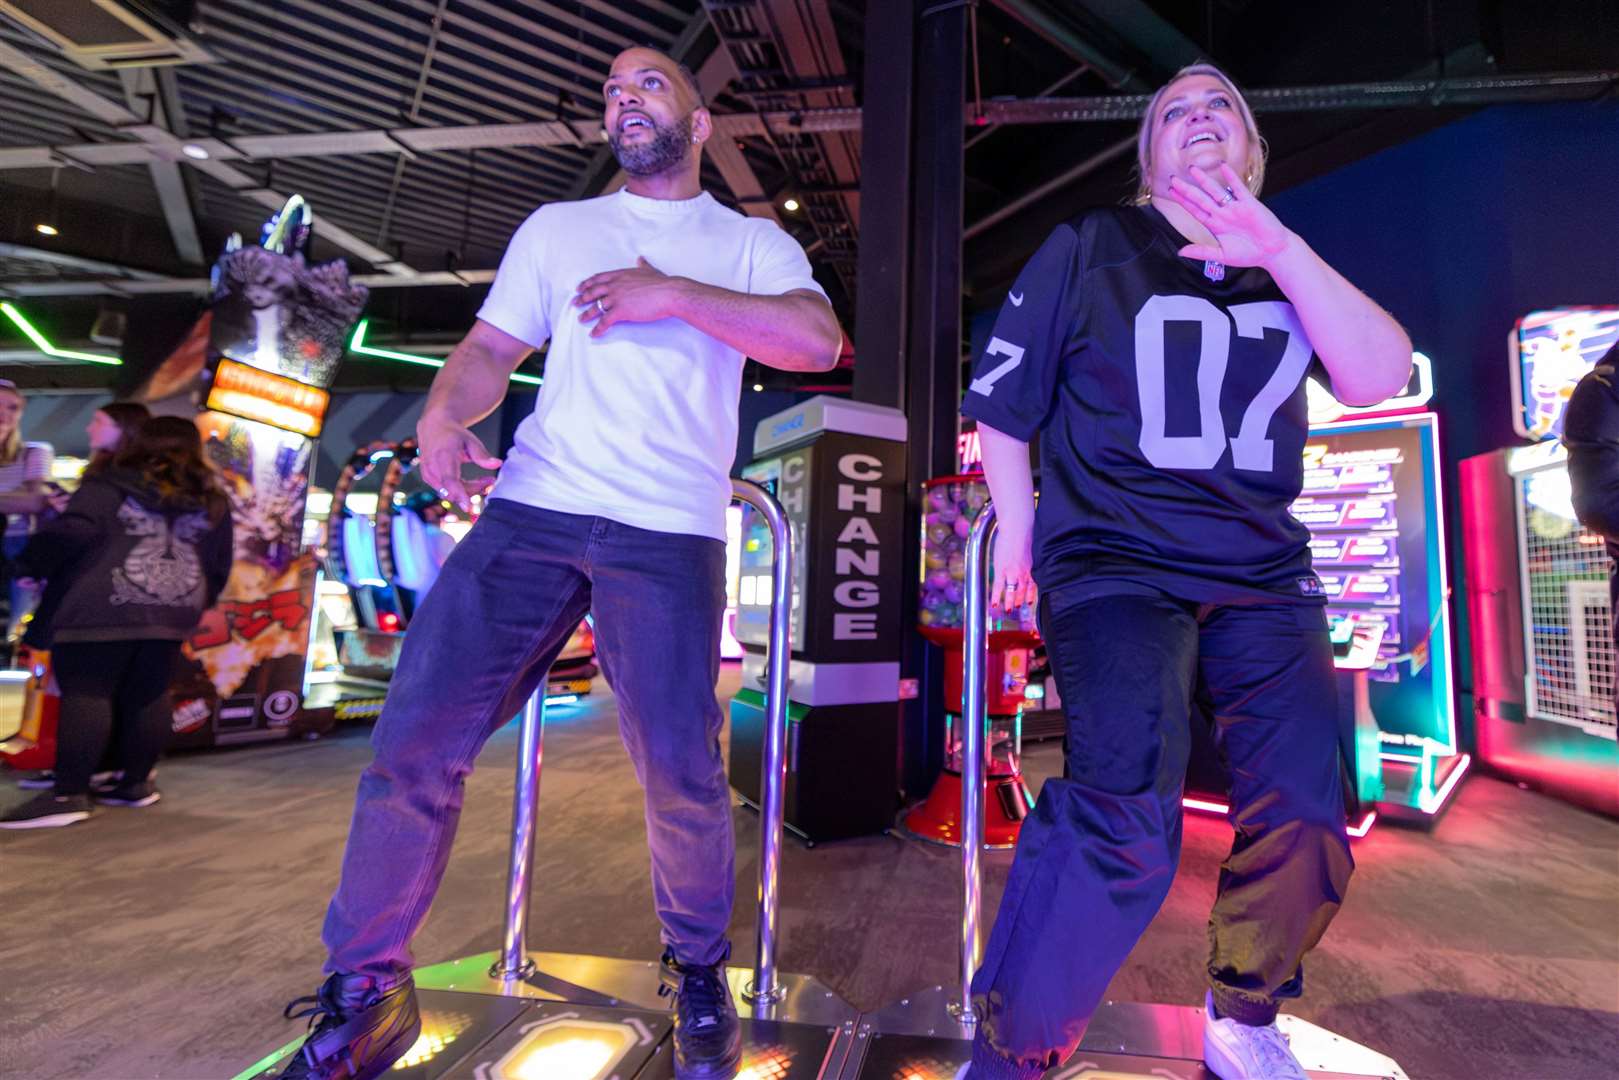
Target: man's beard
(666, 150)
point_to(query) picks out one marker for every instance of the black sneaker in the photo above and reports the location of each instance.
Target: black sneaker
(45, 780)
(355, 1030)
(708, 1038)
(47, 810)
(142, 794)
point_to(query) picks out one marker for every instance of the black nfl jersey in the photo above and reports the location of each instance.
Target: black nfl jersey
(1169, 397)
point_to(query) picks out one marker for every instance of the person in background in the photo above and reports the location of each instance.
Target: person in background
(144, 548)
(1591, 435)
(110, 430)
(24, 470)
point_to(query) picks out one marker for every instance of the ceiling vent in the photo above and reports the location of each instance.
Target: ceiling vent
(102, 35)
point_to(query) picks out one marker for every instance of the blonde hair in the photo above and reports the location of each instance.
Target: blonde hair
(12, 444)
(1254, 174)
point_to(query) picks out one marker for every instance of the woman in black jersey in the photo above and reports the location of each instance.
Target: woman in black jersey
(1160, 351)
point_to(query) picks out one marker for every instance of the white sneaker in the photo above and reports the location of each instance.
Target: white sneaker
(1234, 1051)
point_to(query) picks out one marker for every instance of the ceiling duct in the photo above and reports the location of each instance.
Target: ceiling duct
(101, 35)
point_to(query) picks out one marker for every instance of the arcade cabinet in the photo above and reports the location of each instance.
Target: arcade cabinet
(1375, 510)
(1537, 581)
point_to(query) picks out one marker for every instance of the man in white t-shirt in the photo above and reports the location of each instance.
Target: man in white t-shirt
(612, 501)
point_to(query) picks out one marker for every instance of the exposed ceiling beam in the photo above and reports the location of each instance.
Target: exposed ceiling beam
(113, 285)
(1146, 31)
(1056, 29)
(161, 145)
(141, 86)
(157, 144)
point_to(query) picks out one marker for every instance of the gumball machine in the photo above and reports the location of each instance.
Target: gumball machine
(951, 504)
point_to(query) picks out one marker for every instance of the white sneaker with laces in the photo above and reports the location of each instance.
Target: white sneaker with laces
(1234, 1051)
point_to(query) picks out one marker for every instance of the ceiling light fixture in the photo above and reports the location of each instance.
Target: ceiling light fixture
(791, 206)
(195, 152)
(48, 227)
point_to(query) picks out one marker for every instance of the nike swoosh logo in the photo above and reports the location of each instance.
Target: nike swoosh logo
(1016, 298)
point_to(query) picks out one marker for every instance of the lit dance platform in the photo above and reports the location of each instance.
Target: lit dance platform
(521, 1015)
(592, 1018)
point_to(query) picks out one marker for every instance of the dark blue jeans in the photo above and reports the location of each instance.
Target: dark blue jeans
(1096, 857)
(503, 607)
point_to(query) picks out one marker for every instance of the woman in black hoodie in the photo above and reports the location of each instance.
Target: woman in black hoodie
(144, 548)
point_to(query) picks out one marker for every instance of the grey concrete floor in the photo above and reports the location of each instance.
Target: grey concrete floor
(163, 942)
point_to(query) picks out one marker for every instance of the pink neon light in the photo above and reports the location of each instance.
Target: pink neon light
(1357, 831)
(1451, 781)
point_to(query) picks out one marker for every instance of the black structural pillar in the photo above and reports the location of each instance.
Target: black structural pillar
(908, 312)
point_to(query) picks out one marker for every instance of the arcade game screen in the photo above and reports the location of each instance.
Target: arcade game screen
(1370, 500)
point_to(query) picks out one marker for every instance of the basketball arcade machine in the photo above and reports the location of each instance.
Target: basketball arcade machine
(1537, 580)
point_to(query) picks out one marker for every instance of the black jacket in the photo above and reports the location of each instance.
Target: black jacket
(121, 566)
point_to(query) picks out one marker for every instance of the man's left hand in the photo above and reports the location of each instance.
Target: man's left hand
(640, 294)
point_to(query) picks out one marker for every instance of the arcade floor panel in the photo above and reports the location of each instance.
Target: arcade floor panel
(593, 1018)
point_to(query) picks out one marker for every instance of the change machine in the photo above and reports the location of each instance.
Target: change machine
(838, 469)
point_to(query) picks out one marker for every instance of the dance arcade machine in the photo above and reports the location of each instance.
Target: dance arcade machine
(1537, 581)
(950, 506)
(1374, 507)
(838, 469)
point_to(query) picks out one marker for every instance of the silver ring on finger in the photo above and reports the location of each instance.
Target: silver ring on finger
(1230, 197)
(601, 307)
(444, 493)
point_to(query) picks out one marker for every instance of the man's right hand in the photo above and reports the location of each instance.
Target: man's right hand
(445, 447)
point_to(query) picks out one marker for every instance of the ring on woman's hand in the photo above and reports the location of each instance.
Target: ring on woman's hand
(601, 307)
(444, 493)
(1230, 197)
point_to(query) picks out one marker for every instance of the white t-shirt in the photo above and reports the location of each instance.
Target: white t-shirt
(638, 425)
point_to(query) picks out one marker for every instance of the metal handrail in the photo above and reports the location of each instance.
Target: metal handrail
(764, 989)
(974, 725)
(514, 962)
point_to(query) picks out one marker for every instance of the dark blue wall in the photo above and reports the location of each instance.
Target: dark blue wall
(1464, 230)
(1460, 233)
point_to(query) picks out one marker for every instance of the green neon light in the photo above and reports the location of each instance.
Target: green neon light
(51, 350)
(357, 345)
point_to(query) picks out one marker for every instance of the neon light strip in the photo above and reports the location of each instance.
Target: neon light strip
(357, 345)
(562, 699)
(1432, 806)
(1357, 831)
(47, 348)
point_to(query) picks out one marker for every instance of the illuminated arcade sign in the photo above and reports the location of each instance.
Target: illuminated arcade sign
(1551, 352)
(969, 452)
(254, 394)
(1325, 409)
